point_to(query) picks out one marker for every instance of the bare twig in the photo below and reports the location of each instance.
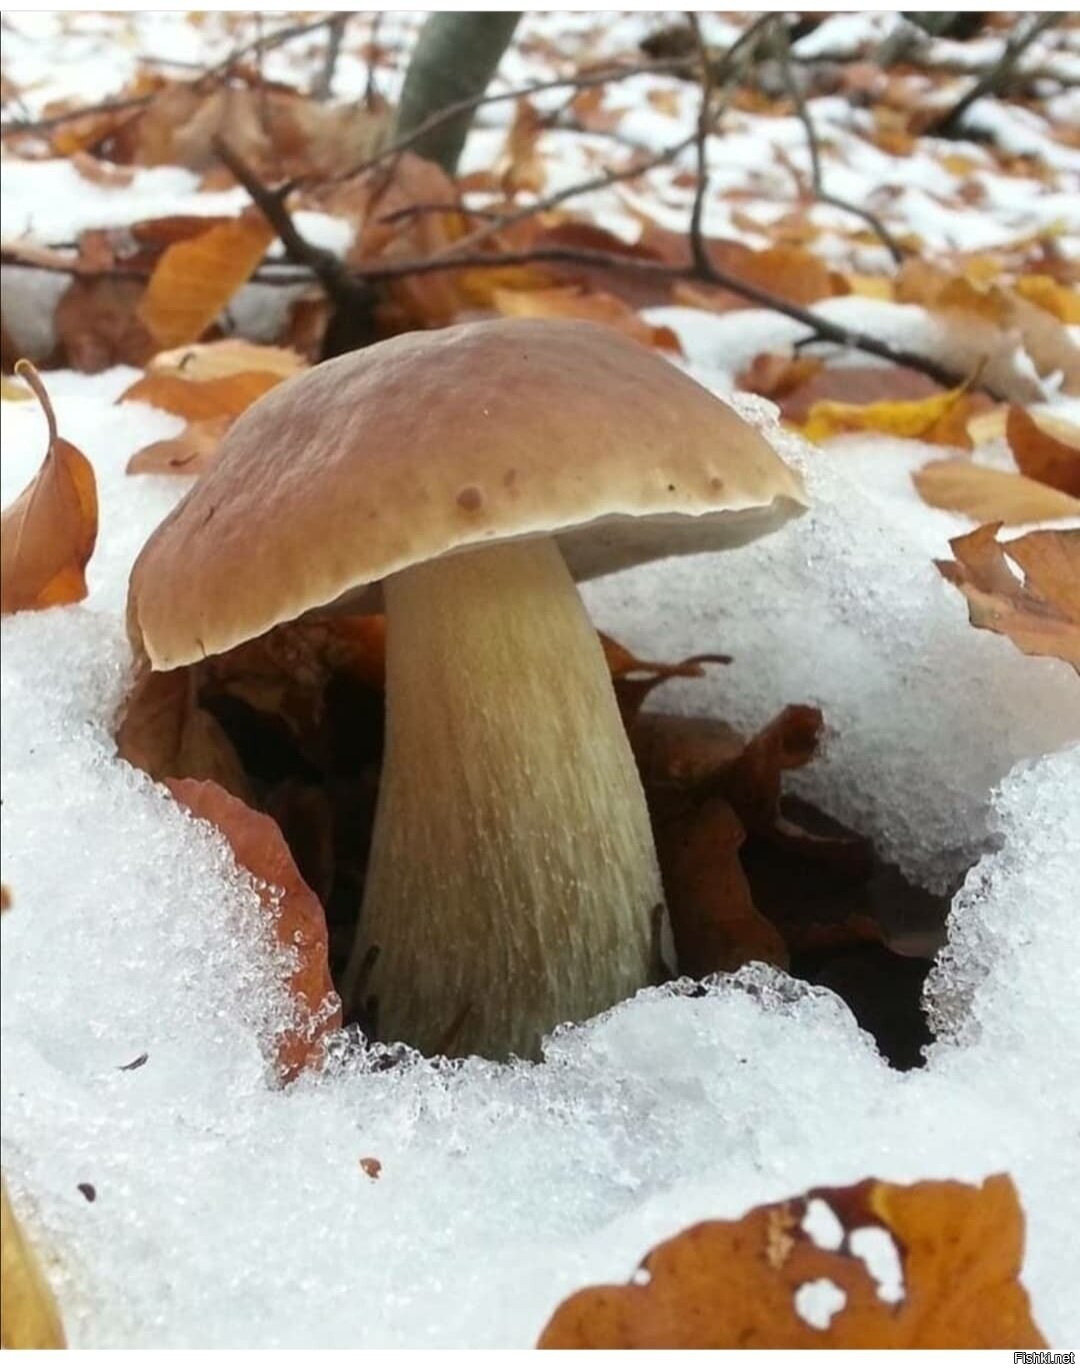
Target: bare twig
(371, 94)
(814, 148)
(998, 75)
(699, 253)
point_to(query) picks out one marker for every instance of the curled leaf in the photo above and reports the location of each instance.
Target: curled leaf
(739, 1284)
(941, 419)
(1042, 454)
(571, 302)
(29, 1318)
(299, 923)
(50, 530)
(1041, 613)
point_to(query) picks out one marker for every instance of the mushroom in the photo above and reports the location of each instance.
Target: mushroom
(464, 479)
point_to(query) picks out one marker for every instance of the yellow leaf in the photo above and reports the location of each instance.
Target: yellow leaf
(1047, 294)
(29, 1317)
(988, 495)
(940, 419)
(196, 279)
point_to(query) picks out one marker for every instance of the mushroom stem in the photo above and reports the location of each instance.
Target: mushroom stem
(513, 879)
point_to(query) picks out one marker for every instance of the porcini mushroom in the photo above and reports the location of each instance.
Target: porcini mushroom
(464, 479)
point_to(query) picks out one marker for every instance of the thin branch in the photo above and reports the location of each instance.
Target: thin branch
(814, 148)
(699, 252)
(999, 74)
(370, 92)
(583, 81)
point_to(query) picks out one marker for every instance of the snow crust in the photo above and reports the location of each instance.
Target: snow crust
(228, 1212)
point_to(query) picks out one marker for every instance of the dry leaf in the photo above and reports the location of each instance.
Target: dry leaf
(634, 679)
(190, 453)
(568, 302)
(195, 279)
(100, 173)
(727, 1285)
(941, 419)
(775, 376)
(165, 733)
(224, 359)
(988, 495)
(50, 530)
(1048, 294)
(29, 1317)
(298, 918)
(97, 324)
(1041, 614)
(226, 397)
(520, 166)
(1044, 455)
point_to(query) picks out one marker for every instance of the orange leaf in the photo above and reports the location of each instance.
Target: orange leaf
(195, 279)
(775, 376)
(1040, 614)
(50, 530)
(226, 397)
(190, 453)
(226, 358)
(986, 494)
(1041, 454)
(567, 302)
(521, 167)
(299, 921)
(726, 1285)
(635, 680)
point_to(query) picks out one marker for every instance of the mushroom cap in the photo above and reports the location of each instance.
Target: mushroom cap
(435, 442)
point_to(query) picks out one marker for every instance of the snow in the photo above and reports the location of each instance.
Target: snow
(228, 1212)
(818, 1301)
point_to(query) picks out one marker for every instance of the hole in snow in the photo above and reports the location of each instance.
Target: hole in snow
(877, 1251)
(818, 1302)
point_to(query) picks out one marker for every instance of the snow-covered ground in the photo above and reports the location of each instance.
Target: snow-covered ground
(228, 1212)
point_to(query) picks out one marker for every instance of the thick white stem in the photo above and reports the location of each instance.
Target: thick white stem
(513, 882)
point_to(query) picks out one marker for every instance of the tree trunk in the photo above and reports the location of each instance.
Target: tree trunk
(455, 57)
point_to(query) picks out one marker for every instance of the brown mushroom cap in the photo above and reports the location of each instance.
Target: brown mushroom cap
(434, 442)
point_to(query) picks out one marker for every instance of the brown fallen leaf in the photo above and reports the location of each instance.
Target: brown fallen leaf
(1042, 454)
(986, 494)
(714, 922)
(164, 732)
(940, 419)
(520, 166)
(1040, 614)
(190, 453)
(774, 375)
(570, 302)
(100, 173)
(50, 530)
(727, 1285)
(635, 680)
(97, 324)
(195, 279)
(29, 1317)
(299, 922)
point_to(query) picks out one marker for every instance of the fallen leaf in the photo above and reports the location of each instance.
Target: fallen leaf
(50, 530)
(774, 376)
(164, 732)
(989, 495)
(195, 279)
(940, 419)
(1042, 454)
(520, 166)
(190, 453)
(228, 357)
(299, 922)
(735, 1284)
(568, 302)
(1048, 294)
(29, 1317)
(1040, 614)
(97, 324)
(634, 679)
(100, 173)
(219, 397)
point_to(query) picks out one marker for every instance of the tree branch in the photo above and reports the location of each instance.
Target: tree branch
(948, 124)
